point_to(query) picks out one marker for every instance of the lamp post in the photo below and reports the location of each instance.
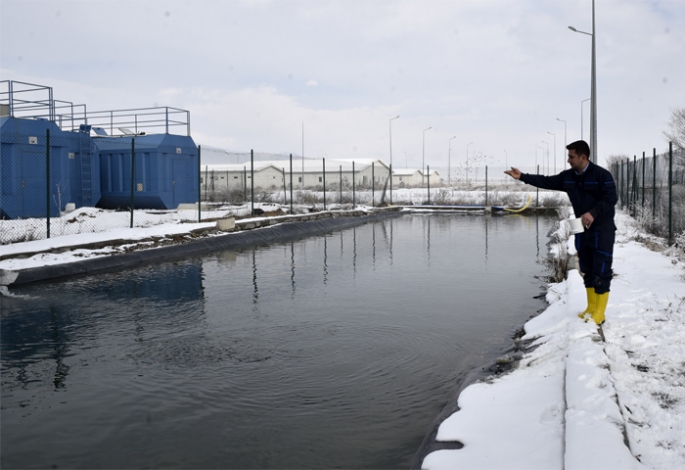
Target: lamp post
(467, 163)
(555, 152)
(390, 169)
(593, 88)
(506, 160)
(543, 158)
(536, 158)
(565, 144)
(581, 117)
(449, 160)
(406, 160)
(423, 161)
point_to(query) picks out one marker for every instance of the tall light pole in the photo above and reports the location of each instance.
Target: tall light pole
(593, 89)
(506, 160)
(423, 161)
(581, 117)
(406, 160)
(390, 169)
(449, 160)
(565, 144)
(467, 163)
(543, 158)
(555, 151)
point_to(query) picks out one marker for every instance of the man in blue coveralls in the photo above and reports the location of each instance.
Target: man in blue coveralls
(592, 192)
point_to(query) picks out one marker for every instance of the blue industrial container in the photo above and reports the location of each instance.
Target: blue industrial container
(90, 155)
(74, 168)
(166, 171)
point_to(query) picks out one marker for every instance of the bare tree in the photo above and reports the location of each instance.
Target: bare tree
(676, 127)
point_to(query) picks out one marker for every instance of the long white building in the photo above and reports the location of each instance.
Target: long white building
(309, 174)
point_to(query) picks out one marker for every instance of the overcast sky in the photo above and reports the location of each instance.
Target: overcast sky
(495, 73)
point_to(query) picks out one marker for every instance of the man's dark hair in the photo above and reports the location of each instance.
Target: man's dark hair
(581, 148)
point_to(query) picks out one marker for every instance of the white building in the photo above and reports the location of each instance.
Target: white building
(308, 174)
(413, 178)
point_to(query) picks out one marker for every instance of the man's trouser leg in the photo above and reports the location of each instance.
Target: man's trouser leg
(595, 264)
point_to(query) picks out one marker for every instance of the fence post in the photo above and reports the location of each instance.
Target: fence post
(619, 172)
(324, 184)
(47, 180)
(653, 186)
(428, 170)
(670, 193)
(291, 183)
(643, 180)
(133, 175)
(244, 183)
(206, 183)
(340, 184)
(285, 191)
(486, 185)
(390, 169)
(537, 191)
(628, 182)
(373, 184)
(354, 194)
(635, 188)
(199, 183)
(252, 181)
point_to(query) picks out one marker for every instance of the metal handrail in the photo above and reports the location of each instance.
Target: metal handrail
(141, 119)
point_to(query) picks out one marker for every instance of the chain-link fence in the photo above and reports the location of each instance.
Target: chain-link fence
(69, 183)
(653, 190)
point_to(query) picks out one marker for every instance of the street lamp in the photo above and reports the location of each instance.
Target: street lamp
(581, 117)
(555, 152)
(543, 158)
(593, 88)
(564, 133)
(467, 163)
(423, 161)
(449, 159)
(390, 125)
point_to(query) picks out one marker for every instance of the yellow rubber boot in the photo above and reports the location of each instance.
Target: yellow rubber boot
(591, 304)
(602, 300)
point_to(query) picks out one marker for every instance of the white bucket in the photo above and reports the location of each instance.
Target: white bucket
(576, 226)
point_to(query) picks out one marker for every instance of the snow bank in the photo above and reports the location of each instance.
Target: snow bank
(575, 401)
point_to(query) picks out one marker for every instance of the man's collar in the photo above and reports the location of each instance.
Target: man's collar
(584, 169)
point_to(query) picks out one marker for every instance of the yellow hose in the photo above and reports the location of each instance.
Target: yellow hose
(515, 211)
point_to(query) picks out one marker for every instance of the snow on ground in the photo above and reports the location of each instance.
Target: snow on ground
(574, 399)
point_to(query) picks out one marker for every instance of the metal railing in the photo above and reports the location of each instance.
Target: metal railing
(31, 101)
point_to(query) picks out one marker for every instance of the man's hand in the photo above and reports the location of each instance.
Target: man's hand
(587, 219)
(514, 173)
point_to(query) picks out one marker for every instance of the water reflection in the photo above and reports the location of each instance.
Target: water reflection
(51, 322)
(325, 259)
(242, 360)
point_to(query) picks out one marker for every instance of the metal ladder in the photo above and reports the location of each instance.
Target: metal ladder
(86, 167)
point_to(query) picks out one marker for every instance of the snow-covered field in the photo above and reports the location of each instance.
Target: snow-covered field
(573, 401)
(95, 220)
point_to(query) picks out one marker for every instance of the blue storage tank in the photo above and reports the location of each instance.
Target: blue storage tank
(90, 149)
(74, 168)
(165, 174)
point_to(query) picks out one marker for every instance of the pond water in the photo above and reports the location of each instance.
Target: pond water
(336, 351)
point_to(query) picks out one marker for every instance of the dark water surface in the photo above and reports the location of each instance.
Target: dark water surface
(329, 352)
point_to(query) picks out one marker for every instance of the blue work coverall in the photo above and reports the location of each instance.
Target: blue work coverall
(592, 191)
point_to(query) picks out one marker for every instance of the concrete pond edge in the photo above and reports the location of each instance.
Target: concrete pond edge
(254, 233)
